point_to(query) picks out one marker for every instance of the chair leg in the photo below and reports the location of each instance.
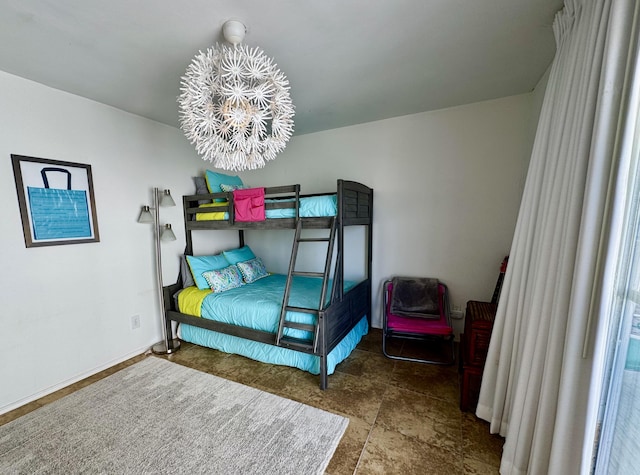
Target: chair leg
(384, 344)
(418, 360)
(453, 350)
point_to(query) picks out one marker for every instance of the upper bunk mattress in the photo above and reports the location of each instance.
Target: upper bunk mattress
(310, 207)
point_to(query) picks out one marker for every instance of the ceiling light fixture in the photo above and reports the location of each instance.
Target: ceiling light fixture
(235, 105)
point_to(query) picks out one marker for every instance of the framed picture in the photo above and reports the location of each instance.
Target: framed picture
(56, 201)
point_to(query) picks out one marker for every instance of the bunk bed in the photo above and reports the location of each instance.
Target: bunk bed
(316, 335)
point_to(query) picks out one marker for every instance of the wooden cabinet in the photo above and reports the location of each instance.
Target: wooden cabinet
(473, 350)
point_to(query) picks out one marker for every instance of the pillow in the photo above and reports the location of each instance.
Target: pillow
(185, 273)
(223, 279)
(252, 270)
(200, 264)
(201, 188)
(239, 255)
(323, 205)
(214, 180)
(227, 188)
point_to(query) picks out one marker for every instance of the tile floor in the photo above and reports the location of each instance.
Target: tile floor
(404, 417)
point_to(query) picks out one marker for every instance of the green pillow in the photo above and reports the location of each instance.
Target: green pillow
(200, 264)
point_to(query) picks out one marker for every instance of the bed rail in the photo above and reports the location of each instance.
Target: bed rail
(288, 197)
(355, 205)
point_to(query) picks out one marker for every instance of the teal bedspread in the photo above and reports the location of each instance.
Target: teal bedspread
(257, 305)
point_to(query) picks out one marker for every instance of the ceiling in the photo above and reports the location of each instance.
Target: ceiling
(348, 61)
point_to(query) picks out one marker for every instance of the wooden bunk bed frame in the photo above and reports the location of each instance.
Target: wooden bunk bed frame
(345, 309)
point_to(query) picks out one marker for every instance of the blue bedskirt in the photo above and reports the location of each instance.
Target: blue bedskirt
(274, 354)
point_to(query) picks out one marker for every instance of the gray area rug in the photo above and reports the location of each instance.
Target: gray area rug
(159, 417)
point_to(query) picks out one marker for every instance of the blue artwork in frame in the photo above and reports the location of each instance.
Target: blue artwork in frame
(56, 201)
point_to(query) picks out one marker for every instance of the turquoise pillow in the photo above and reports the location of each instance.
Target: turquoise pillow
(214, 180)
(200, 264)
(239, 255)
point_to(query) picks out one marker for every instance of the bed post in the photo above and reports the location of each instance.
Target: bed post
(370, 256)
(167, 293)
(323, 352)
(339, 277)
(188, 250)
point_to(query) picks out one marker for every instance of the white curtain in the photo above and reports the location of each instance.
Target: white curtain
(537, 375)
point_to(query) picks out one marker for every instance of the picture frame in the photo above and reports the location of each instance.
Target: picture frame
(56, 200)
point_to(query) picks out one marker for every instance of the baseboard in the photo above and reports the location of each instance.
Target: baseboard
(52, 389)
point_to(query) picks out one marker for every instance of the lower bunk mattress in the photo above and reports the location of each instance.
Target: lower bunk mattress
(257, 305)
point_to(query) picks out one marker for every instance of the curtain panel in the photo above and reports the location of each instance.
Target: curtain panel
(536, 379)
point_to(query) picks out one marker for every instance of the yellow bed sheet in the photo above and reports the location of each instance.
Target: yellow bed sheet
(190, 300)
(214, 215)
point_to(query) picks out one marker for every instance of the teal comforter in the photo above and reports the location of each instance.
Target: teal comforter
(257, 305)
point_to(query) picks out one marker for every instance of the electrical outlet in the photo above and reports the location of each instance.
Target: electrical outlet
(135, 322)
(457, 312)
(457, 315)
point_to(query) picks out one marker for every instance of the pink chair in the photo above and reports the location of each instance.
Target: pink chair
(429, 328)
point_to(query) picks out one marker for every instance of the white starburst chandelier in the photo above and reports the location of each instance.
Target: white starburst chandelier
(235, 105)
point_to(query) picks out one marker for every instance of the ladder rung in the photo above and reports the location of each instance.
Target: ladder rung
(312, 311)
(318, 239)
(303, 344)
(308, 274)
(296, 343)
(299, 326)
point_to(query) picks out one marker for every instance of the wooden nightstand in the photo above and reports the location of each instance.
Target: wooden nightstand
(474, 345)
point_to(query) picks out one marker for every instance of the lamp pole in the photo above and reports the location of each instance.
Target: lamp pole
(168, 344)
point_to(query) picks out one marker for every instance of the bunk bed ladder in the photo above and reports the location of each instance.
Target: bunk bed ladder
(298, 343)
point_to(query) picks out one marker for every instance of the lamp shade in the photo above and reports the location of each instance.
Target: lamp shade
(167, 233)
(145, 215)
(166, 199)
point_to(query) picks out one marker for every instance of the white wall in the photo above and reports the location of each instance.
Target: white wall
(447, 189)
(66, 309)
